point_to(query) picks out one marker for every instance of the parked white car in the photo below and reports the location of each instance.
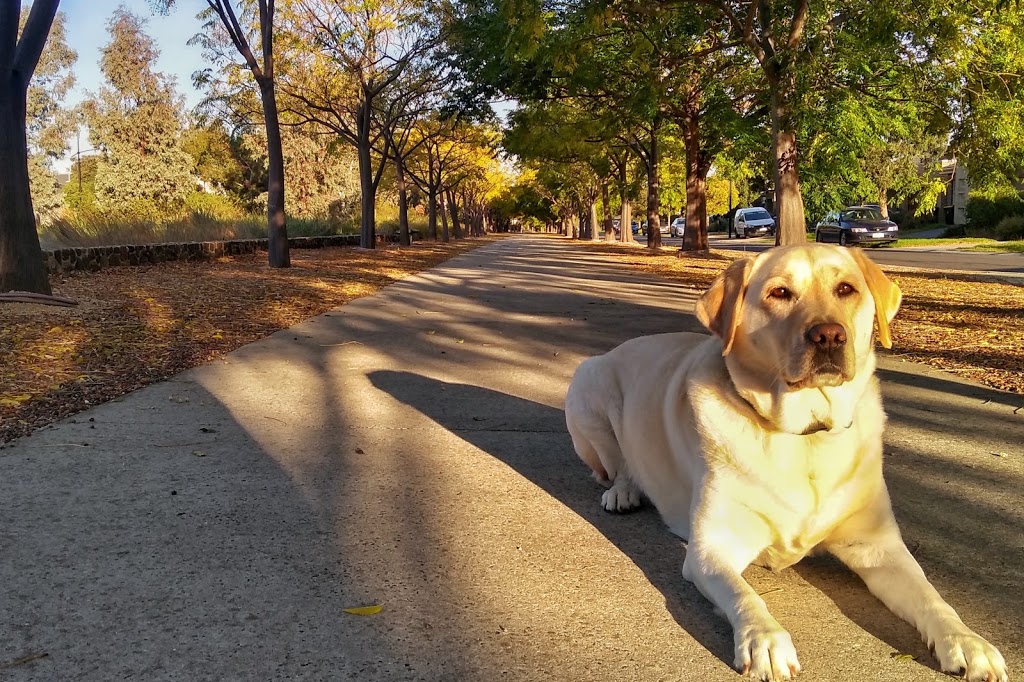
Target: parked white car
(677, 227)
(752, 222)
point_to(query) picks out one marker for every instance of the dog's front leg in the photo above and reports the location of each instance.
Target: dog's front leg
(723, 542)
(872, 547)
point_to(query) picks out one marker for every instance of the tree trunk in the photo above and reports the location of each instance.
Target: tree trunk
(695, 235)
(456, 224)
(367, 200)
(883, 201)
(21, 258)
(593, 220)
(606, 206)
(444, 217)
(432, 215)
(653, 193)
(277, 231)
(404, 238)
(625, 234)
(789, 203)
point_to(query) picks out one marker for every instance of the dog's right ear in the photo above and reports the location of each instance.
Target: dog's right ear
(719, 308)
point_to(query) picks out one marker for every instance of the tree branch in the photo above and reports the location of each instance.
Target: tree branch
(33, 36)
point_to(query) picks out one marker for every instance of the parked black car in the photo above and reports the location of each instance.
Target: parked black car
(856, 225)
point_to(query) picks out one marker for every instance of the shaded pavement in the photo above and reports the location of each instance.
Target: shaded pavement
(409, 450)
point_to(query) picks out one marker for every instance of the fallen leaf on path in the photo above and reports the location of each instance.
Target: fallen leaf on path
(364, 610)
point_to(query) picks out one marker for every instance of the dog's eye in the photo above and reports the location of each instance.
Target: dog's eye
(781, 293)
(844, 290)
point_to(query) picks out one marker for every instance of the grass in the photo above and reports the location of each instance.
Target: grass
(140, 226)
(939, 241)
(1016, 246)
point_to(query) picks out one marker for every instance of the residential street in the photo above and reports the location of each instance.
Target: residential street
(409, 450)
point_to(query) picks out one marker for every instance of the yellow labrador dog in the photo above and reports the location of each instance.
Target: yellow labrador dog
(763, 443)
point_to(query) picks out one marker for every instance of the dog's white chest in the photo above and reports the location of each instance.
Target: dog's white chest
(807, 504)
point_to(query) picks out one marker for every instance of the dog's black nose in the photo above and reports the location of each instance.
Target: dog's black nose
(826, 336)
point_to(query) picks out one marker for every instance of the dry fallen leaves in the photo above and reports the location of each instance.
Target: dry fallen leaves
(138, 325)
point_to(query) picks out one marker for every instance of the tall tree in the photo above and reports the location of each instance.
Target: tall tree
(265, 76)
(343, 59)
(21, 258)
(134, 119)
(49, 123)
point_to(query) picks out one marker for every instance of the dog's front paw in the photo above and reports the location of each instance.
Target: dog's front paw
(623, 496)
(765, 652)
(968, 655)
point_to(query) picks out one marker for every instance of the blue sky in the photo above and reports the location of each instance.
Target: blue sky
(87, 34)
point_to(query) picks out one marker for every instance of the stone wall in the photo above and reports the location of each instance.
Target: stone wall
(97, 257)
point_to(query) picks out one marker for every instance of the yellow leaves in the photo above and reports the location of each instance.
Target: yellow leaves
(7, 400)
(364, 610)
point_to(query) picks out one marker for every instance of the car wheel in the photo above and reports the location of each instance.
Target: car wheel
(843, 241)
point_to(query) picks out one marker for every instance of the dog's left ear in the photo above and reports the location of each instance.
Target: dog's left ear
(885, 292)
(719, 308)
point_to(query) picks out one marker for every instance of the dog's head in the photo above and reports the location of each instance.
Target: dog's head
(797, 330)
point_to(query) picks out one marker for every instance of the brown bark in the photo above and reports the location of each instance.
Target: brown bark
(404, 237)
(432, 216)
(453, 205)
(593, 221)
(606, 204)
(277, 230)
(625, 214)
(789, 202)
(695, 235)
(445, 237)
(367, 189)
(653, 192)
(21, 257)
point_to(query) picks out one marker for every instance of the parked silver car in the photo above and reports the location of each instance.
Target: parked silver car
(677, 227)
(753, 222)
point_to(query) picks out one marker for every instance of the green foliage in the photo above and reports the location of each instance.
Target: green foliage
(214, 157)
(986, 212)
(134, 119)
(80, 192)
(1010, 227)
(214, 206)
(46, 195)
(49, 123)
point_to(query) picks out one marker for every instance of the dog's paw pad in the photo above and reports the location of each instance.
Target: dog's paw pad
(621, 498)
(971, 657)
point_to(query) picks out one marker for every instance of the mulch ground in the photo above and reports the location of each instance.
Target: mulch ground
(137, 325)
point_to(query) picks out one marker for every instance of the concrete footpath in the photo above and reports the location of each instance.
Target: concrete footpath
(409, 450)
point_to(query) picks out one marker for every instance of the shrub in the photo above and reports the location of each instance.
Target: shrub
(1010, 227)
(986, 212)
(215, 206)
(343, 214)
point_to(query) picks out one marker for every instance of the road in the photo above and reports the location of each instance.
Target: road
(916, 257)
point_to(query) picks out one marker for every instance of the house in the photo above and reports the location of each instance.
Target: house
(951, 206)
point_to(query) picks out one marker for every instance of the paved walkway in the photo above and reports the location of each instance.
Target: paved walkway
(409, 450)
